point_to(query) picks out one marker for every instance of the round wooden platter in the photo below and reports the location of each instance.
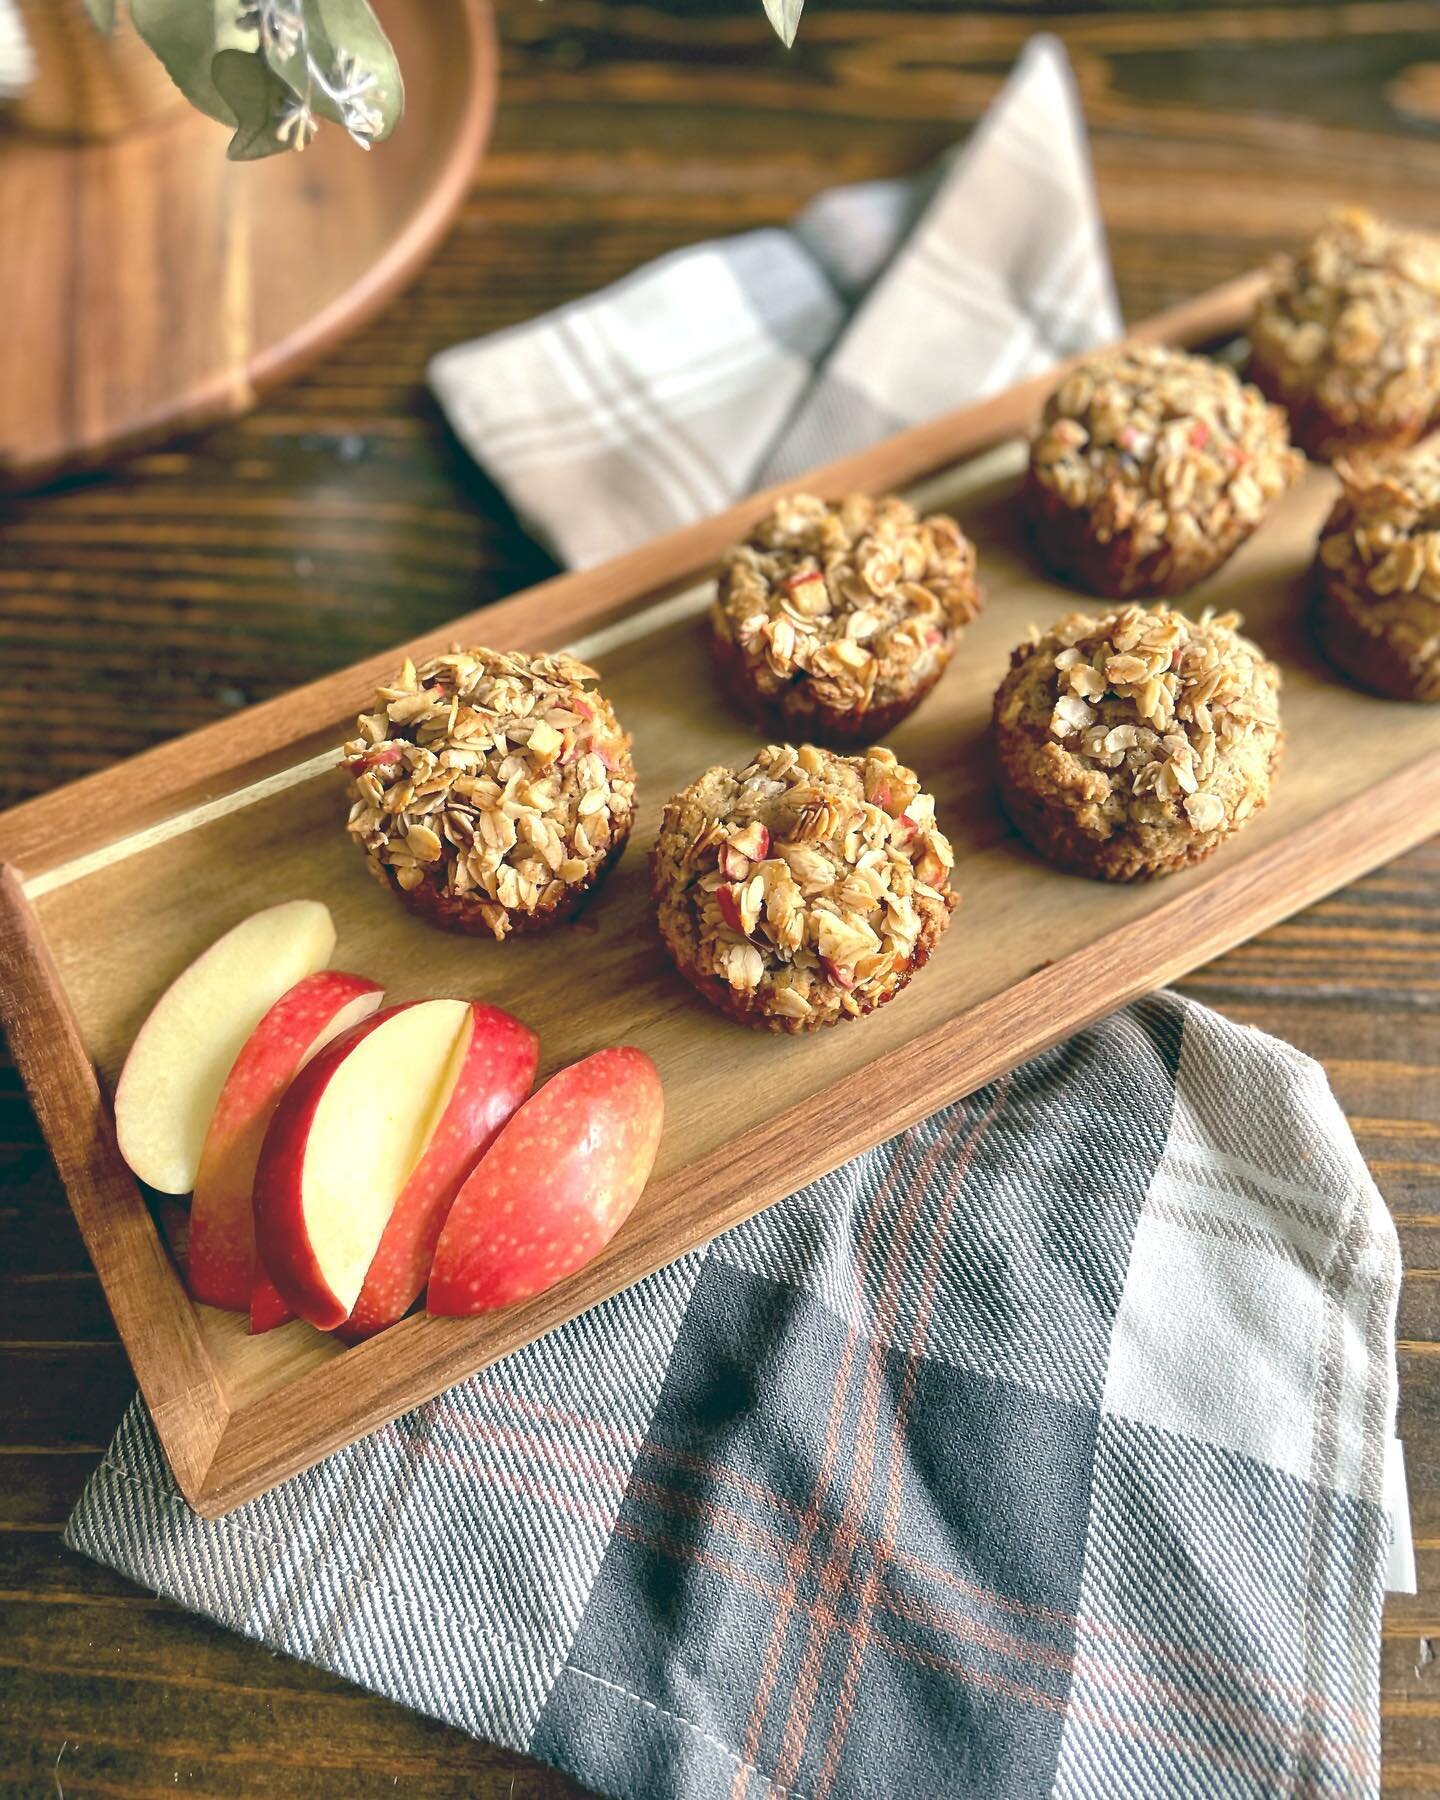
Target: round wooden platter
(151, 286)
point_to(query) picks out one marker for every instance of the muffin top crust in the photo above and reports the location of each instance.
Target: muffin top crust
(1170, 447)
(1354, 321)
(1383, 535)
(808, 883)
(855, 599)
(1147, 716)
(494, 776)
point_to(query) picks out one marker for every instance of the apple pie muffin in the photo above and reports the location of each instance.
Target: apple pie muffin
(1347, 337)
(1133, 745)
(1378, 601)
(805, 888)
(1150, 468)
(835, 621)
(491, 790)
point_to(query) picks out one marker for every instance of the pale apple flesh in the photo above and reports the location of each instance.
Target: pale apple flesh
(554, 1187)
(494, 1067)
(220, 1262)
(341, 1147)
(177, 1066)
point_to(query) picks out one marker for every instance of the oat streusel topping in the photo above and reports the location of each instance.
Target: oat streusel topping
(1379, 556)
(805, 887)
(1170, 447)
(1152, 717)
(1353, 322)
(859, 599)
(501, 780)
(1384, 532)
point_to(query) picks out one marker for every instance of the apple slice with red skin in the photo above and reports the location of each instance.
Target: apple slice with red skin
(340, 1148)
(287, 1268)
(182, 1053)
(344, 1142)
(554, 1187)
(220, 1260)
(267, 1306)
(495, 1072)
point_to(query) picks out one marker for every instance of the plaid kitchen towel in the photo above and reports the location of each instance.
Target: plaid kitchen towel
(1041, 1449)
(1037, 1451)
(721, 368)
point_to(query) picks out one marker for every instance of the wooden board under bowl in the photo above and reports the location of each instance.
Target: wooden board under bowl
(155, 287)
(113, 884)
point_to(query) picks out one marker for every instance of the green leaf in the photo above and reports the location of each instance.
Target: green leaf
(784, 15)
(334, 27)
(102, 14)
(222, 71)
(254, 94)
(184, 35)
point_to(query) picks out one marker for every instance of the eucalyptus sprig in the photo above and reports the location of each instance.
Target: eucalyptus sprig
(272, 70)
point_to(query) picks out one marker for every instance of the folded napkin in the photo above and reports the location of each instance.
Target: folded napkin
(1042, 1448)
(718, 369)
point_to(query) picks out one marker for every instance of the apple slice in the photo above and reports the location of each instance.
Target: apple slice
(267, 1307)
(220, 1264)
(554, 1187)
(491, 1075)
(178, 1063)
(341, 1147)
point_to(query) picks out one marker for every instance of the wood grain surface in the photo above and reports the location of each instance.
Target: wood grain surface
(339, 518)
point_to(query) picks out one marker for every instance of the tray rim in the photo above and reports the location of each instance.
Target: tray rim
(188, 770)
(222, 1455)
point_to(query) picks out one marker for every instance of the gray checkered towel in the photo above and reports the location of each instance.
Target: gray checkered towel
(1042, 1449)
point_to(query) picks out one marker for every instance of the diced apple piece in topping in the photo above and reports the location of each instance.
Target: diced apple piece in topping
(545, 742)
(385, 758)
(931, 870)
(807, 593)
(727, 898)
(838, 973)
(753, 840)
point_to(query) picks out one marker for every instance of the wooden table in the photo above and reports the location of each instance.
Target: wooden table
(340, 517)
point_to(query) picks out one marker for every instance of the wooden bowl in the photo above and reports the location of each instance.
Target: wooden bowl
(155, 287)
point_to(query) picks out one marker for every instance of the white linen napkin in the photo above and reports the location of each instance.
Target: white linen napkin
(720, 368)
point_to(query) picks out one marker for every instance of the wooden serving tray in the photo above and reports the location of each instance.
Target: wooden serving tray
(110, 886)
